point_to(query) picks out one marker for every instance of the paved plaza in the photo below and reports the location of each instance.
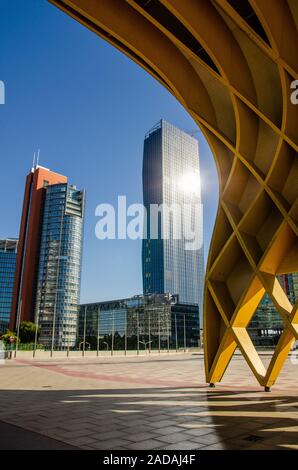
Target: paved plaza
(146, 402)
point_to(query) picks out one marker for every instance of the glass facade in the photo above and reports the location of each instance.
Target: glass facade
(266, 325)
(8, 256)
(59, 274)
(171, 177)
(156, 321)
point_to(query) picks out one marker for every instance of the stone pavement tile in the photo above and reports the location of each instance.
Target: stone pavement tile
(176, 409)
(280, 438)
(138, 429)
(67, 424)
(190, 420)
(80, 441)
(142, 436)
(45, 431)
(162, 424)
(198, 431)
(194, 409)
(218, 446)
(251, 424)
(136, 422)
(186, 445)
(153, 416)
(72, 434)
(235, 444)
(109, 425)
(261, 446)
(150, 444)
(169, 430)
(111, 444)
(231, 433)
(14, 438)
(175, 437)
(283, 424)
(160, 416)
(104, 436)
(207, 439)
(85, 447)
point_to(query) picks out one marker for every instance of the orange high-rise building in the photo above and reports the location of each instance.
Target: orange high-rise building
(23, 303)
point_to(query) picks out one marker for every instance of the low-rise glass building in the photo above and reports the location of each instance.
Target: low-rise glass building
(157, 321)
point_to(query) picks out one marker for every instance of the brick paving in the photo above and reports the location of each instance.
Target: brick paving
(147, 403)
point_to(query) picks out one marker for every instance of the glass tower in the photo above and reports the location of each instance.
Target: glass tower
(59, 273)
(171, 180)
(8, 257)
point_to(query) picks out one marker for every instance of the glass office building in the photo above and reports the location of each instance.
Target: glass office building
(156, 321)
(8, 256)
(266, 325)
(171, 178)
(59, 273)
(291, 286)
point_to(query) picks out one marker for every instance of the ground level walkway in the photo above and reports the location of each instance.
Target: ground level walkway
(157, 402)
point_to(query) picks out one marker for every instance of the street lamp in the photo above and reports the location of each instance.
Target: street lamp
(104, 342)
(145, 343)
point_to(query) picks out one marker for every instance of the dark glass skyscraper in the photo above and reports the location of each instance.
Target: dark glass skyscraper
(171, 180)
(59, 273)
(8, 257)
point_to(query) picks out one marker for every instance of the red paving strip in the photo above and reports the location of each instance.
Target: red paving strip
(142, 381)
(109, 378)
(55, 367)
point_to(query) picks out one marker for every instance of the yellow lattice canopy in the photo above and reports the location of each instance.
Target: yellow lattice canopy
(231, 64)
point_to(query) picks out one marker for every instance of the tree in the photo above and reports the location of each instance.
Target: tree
(27, 332)
(9, 337)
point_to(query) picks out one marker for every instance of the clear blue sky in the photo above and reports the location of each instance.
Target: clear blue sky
(87, 107)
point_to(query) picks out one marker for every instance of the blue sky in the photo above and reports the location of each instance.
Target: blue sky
(87, 107)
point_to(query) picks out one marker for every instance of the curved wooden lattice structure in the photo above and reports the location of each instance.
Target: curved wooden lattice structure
(231, 64)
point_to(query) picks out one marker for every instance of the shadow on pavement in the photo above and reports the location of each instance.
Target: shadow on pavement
(210, 418)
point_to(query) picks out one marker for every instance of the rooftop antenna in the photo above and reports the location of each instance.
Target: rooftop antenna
(33, 162)
(37, 159)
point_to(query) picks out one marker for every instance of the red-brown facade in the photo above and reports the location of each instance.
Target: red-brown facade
(29, 242)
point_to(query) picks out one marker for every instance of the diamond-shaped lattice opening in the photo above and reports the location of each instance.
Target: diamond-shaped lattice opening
(259, 226)
(259, 144)
(240, 192)
(267, 325)
(294, 213)
(282, 252)
(284, 177)
(221, 235)
(230, 277)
